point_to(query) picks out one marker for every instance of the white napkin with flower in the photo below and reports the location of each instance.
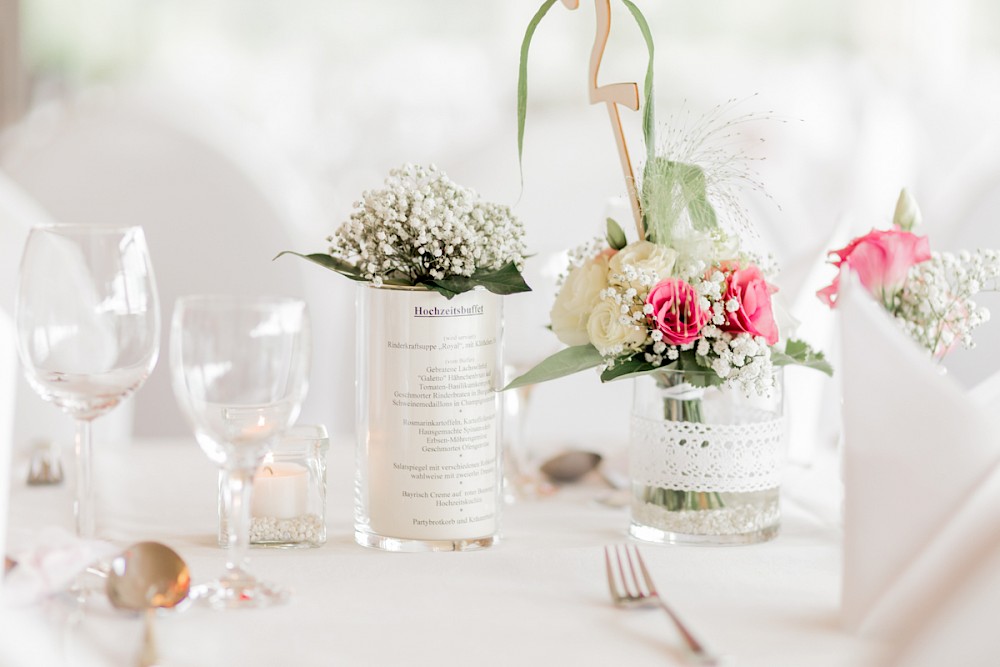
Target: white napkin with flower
(921, 467)
(50, 564)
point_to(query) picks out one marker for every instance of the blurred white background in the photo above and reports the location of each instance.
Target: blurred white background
(134, 108)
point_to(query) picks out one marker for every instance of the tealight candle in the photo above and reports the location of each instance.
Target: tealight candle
(280, 490)
(288, 502)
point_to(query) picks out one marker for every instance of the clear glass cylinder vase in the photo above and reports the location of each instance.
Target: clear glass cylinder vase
(705, 461)
(428, 474)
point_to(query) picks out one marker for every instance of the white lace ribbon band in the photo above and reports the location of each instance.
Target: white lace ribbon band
(691, 456)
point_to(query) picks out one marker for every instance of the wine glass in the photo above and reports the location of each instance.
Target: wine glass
(525, 345)
(239, 367)
(88, 328)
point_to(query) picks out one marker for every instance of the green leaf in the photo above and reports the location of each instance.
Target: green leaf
(703, 378)
(615, 235)
(562, 363)
(629, 368)
(505, 280)
(522, 80)
(669, 188)
(702, 214)
(799, 353)
(696, 370)
(702, 362)
(446, 292)
(329, 262)
(648, 119)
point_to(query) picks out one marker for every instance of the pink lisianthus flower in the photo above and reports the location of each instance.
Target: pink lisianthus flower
(882, 259)
(750, 295)
(676, 311)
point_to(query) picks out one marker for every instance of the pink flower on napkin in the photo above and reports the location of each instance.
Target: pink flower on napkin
(676, 311)
(752, 297)
(881, 259)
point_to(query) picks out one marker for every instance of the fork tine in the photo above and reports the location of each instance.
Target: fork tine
(645, 573)
(629, 549)
(627, 581)
(612, 584)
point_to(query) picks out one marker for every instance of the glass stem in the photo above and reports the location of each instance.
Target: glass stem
(521, 456)
(237, 484)
(84, 507)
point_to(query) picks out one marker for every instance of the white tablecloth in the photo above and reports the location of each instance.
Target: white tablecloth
(539, 597)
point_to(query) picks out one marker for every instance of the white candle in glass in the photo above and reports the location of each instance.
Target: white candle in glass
(280, 490)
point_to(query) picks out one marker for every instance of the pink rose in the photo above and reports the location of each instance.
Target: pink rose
(881, 259)
(676, 311)
(753, 313)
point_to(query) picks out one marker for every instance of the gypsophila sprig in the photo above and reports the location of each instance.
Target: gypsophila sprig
(935, 305)
(421, 228)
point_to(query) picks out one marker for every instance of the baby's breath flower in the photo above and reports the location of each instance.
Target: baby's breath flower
(422, 225)
(935, 305)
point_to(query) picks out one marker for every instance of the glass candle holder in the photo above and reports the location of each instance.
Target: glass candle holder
(288, 502)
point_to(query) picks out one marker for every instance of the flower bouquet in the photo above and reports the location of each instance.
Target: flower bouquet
(928, 294)
(687, 309)
(691, 311)
(432, 261)
(422, 229)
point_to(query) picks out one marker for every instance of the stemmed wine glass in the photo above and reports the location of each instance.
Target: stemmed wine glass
(239, 367)
(88, 328)
(524, 347)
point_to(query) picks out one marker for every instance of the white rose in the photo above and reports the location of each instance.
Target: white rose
(646, 257)
(607, 331)
(579, 294)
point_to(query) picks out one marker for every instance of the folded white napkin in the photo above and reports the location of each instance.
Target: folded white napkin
(921, 466)
(961, 628)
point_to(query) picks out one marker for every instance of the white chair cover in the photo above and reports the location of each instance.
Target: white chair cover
(210, 221)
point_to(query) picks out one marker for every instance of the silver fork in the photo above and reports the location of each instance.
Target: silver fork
(631, 586)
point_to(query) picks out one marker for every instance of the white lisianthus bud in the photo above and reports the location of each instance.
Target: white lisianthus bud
(645, 257)
(580, 293)
(907, 215)
(608, 333)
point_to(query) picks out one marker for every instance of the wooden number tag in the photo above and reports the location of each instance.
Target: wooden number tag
(626, 94)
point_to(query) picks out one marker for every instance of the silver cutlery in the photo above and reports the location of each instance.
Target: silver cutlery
(145, 577)
(45, 467)
(632, 586)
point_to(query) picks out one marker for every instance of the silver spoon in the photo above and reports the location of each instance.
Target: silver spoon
(145, 577)
(571, 465)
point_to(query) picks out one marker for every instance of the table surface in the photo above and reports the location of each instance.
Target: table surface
(539, 596)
